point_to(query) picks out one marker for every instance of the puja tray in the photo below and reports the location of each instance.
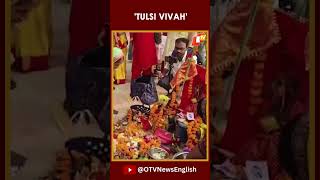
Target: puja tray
(140, 108)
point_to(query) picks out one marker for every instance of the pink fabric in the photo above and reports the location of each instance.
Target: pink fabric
(164, 136)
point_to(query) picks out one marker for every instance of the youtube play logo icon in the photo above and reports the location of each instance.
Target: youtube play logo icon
(129, 170)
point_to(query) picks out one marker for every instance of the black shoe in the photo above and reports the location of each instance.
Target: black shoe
(90, 146)
(17, 160)
(13, 84)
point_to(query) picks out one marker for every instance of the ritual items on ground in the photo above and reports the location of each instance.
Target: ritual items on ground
(72, 164)
(157, 132)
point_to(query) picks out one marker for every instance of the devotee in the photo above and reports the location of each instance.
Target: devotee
(121, 41)
(32, 36)
(179, 54)
(144, 54)
(272, 49)
(171, 38)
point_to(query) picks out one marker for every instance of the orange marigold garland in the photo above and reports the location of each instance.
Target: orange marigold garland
(146, 146)
(123, 148)
(192, 129)
(154, 113)
(190, 88)
(173, 100)
(129, 115)
(134, 129)
(153, 109)
(157, 118)
(171, 109)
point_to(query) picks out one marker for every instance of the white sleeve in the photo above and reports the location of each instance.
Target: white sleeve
(166, 65)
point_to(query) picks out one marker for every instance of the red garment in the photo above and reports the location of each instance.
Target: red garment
(263, 148)
(199, 81)
(87, 20)
(101, 177)
(288, 57)
(144, 53)
(37, 63)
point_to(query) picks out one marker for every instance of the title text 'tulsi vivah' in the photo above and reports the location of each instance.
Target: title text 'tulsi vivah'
(161, 16)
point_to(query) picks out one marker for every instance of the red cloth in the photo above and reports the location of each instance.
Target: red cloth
(101, 177)
(37, 63)
(287, 56)
(198, 81)
(40, 63)
(263, 148)
(87, 20)
(144, 53)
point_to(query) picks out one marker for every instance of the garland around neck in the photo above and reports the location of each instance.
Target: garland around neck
(231, 32)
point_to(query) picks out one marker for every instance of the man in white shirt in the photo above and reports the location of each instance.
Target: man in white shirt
(180, 54)
(178, 58)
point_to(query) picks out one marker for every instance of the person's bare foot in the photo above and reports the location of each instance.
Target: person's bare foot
(26, 64)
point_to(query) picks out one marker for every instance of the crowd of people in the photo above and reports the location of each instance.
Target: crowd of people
(260, 86)
(177, 62)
